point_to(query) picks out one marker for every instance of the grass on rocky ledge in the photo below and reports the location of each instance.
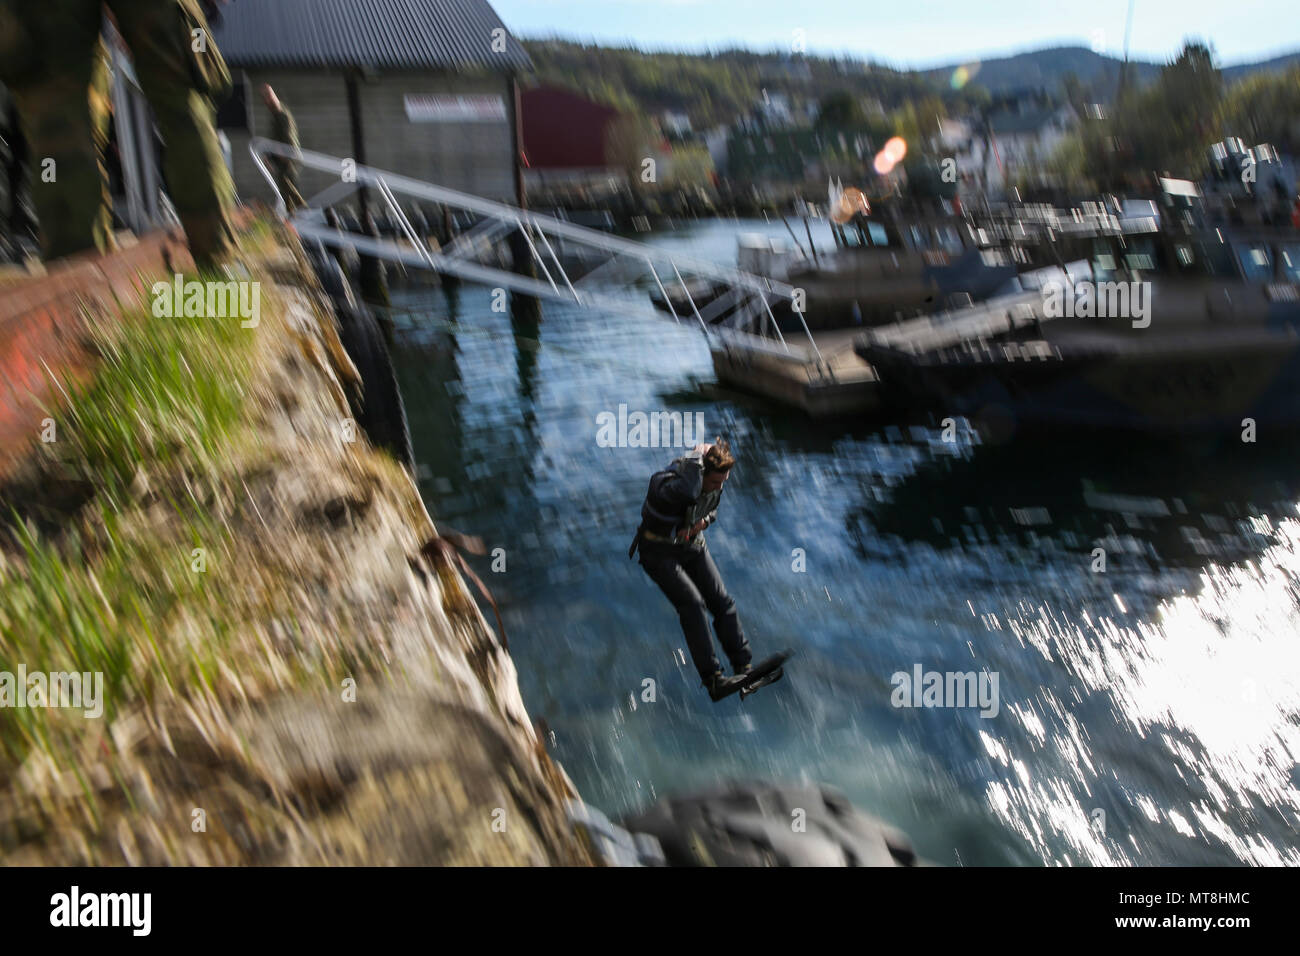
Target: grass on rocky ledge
(114, 591)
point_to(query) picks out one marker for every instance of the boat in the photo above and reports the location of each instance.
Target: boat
(684, 299)
(816, 365)
(1214, 346)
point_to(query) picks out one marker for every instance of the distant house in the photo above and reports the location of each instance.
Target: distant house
(794, 155)
(775, 110)
(1258, 176)
(716, 141)
(953, 133)
(1019, 144)
(1022, 136)
(676, 124)
(425, 88)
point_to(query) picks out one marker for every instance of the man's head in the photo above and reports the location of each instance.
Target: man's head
(718, 462)
(269, 98)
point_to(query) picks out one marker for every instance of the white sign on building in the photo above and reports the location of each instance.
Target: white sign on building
(440, 108)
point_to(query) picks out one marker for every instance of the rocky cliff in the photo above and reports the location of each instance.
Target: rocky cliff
(322, 690)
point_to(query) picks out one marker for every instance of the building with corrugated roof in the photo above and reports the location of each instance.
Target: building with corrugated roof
(425, 88)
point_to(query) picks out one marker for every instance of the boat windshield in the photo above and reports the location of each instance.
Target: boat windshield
(865, 233)
(938, 237)
(1204, 257)
(918, 238)
(1255, 260)
(1288, 260)
(948, 239)
(1103, 266)
(1141, 256)
(1105, 262)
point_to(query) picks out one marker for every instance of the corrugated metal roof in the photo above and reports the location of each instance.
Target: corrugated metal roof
(382, 34)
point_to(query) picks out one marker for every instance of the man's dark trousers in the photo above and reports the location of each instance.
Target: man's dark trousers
(689, 578)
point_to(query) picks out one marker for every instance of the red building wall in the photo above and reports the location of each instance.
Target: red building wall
(563, 130)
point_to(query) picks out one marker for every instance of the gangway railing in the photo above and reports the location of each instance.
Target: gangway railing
(619, 273)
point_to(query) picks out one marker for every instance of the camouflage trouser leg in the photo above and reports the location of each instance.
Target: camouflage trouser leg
(292, 197)
(200, 184)
(286, 180)
(65, 113)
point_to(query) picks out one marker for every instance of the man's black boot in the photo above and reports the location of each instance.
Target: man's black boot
(718, 684)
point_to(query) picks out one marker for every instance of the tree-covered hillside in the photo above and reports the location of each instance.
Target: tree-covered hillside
(716, 88)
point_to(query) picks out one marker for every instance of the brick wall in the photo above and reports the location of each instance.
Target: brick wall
(41, 327)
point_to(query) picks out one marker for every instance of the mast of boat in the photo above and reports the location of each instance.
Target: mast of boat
(1123, 68)
(808, 229)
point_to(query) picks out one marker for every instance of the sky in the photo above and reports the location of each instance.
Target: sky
(919, 33)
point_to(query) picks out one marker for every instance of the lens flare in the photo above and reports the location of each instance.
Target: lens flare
(963, 75)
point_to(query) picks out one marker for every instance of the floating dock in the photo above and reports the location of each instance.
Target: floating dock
(833, 380)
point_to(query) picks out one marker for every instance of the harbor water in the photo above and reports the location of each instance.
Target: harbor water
(1137, 602)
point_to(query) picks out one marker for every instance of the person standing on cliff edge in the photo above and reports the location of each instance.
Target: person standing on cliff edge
(283, 130)
(53, 59)
(681, 502)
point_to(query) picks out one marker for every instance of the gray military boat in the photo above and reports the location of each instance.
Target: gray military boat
(1193, 327)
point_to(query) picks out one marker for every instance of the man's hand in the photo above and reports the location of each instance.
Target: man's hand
(701, 449)
(689, 533)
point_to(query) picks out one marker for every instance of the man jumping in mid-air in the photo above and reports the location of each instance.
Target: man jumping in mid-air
(681, 502)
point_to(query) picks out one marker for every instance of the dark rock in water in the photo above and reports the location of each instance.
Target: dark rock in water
(373, 274)
(614, 845)
(381, 413)
(378, 408)
(329, 273)
(759, 824)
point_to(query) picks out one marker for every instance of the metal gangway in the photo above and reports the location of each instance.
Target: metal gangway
(994, 318)
(617, 274)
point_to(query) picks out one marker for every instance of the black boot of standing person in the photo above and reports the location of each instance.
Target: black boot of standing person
(21, 221)
(681, 502)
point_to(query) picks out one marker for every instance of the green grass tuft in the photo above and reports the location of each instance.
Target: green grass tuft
(164, 405)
